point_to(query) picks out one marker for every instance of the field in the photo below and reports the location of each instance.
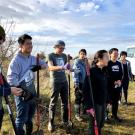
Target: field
(127, 112)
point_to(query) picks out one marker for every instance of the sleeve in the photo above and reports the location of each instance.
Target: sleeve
(76, 73)
(66, 59)
(130, 71)
(13, 73)
(121, 72)
(49, 58)
(5, 89)
(93, 87)
(109, 86)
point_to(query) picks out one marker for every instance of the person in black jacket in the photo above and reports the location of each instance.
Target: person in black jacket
(5, 89)
(127, 74)
(99, 81)
(115, 78)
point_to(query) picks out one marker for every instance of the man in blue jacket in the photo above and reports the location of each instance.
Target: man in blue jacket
(81, 85)
(5, 90)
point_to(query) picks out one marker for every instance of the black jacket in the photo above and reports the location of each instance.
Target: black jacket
(115, 73)
(99, 82)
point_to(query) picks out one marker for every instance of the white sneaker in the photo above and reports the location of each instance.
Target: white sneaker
(50, 127)
(78, 118)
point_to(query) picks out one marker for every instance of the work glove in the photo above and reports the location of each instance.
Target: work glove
(91, 111)
(66, 66)
(26, 95)
(35, 68)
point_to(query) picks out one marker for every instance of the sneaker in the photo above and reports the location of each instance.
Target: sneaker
(64, 123)
(50, 127)
(119, 102)
(116, 118)
(78, 118)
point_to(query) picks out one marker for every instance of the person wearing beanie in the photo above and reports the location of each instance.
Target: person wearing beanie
(57, 64)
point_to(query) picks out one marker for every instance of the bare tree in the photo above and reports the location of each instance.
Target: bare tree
(8, 48)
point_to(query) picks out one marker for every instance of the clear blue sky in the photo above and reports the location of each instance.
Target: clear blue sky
(90, 24)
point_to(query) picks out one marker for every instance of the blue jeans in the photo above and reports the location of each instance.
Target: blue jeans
(25, 113)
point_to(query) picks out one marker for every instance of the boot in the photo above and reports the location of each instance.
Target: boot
(1, 117)
(20, 131)
(29, 128)
(77, 113)
(50, 126)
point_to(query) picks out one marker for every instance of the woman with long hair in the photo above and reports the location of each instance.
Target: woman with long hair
(99, 81)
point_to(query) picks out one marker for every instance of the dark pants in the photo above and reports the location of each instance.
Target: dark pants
(115, 96)
(83, 97)
(1, 116)
(62, 90)
(79, 99)
(125, 88)
(1, 112)
(100, 117)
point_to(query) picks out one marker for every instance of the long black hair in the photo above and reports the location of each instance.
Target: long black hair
(99, 55)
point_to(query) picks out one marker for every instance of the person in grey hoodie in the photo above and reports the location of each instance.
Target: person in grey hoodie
(22, 63)
(5, 89)
(80, 84)
(127, 74)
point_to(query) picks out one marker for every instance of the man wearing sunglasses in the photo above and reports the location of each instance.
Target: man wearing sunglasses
(57, 63)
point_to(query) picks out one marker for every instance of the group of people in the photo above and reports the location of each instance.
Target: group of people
(108, 75)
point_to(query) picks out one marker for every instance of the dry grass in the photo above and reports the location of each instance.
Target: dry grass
(127, 127)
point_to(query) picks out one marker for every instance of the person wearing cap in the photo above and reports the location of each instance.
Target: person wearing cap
(57, 64)
(5, 89)
(23, 63)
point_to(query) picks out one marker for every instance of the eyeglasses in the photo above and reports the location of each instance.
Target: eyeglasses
(62, 48)
(28, 43)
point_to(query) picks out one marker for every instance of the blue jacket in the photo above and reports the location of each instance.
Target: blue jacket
(79, 73)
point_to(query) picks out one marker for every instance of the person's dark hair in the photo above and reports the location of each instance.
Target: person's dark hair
(22, 38)
(83, 50)
(2, 33)
(99, 55)
(123, 53)
(112, 50)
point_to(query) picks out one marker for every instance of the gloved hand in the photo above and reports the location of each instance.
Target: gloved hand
(66, 66)
(27, 95)
(35, 68)
(91, 111)
(76, 87)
